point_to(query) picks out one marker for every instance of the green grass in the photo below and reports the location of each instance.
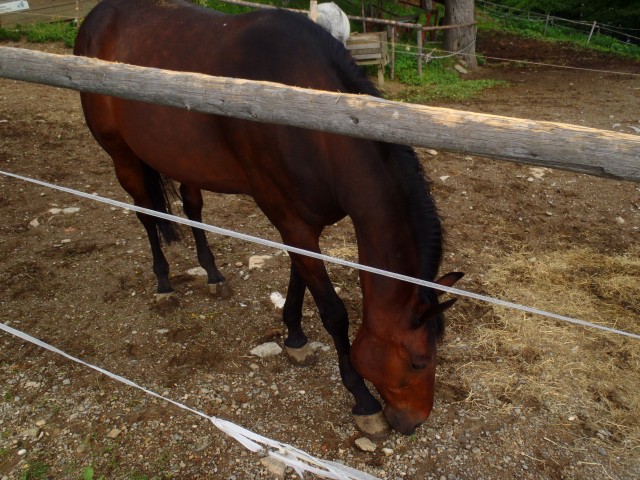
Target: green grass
(42, 32)
(439, 81)
(536, 30)
(35, 471)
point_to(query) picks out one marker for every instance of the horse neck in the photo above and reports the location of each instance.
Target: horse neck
(398, 231)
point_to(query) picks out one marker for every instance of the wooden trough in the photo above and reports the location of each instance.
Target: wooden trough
(370, 49)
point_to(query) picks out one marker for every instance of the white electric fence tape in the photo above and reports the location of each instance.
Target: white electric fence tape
(325, 258)
(297, 459)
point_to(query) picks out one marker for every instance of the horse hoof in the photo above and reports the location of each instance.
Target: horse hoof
(301, 356)
(220, 289)
(373, 425)
(163, 297)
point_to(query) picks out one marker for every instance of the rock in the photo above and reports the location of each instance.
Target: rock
(273, 466)
(113, 433)
(257, 261)
(461, 69)
(22, 452)
(66, 381)
(34, 223)
(41, 423)
(32, 384)
(444, 177)
(268, 349)
(620, 220)
(70, 210)
(277, 299)
(55, 211)
(365, 444)
(197, 272)
(31, 432)
(431, 151)
(387, 452)
(163, 331)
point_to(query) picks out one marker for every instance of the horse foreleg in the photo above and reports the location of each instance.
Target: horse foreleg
(192, 205)
(367, 409)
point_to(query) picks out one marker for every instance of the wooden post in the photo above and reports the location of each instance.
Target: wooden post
(546, 24)
(364, 24)
(313, 10)
(548, 144)
(419, 52)
(393, 51)
(593, 27)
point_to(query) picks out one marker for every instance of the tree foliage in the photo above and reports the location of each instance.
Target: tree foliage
(621, 13)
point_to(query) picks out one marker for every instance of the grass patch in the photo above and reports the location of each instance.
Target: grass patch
(439, 81)
(42, 32)
(35, 471)
(537, 30)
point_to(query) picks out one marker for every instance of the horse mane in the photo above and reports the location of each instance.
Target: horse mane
(403, 162)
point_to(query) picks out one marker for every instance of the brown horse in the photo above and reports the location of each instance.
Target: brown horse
(302, 180)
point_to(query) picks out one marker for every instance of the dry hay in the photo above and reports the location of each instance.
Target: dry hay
(585, 375)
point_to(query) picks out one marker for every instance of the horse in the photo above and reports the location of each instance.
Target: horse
(302, 180)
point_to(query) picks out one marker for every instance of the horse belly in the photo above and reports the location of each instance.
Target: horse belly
(185, 146)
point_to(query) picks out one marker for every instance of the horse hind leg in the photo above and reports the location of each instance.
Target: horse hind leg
(143, 185)
(296, 344)
(192, 205)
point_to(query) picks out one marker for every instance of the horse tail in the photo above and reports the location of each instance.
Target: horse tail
(162, 192)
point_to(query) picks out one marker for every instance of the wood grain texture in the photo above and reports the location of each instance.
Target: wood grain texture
(549, 144)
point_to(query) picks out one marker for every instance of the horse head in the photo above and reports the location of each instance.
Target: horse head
(400, 358)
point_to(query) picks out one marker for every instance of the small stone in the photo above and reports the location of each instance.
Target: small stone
(34, 223)
(268, 349)
(31, 432)
(113, 433)
(273, 466)
(258, 261)
(277, 299)
(475, 450)
(572, 418)
(444, 177)
(22, 452)
(620, 220)
(431, 151)
(66, 381)
(197, 272)
(529, 179)
(238, 264)
(32, 384)
(163, 331)
(365, 444)
(55, 211)
(41, 423)
(70, 210)
(387, 452)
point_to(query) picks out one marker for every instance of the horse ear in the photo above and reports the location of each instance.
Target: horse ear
(441, 307)
(448, 280)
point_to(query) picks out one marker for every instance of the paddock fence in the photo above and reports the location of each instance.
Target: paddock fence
(610, 154)
(548, 144)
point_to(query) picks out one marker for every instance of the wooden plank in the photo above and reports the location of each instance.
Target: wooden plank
(556, 145)
(46, 11)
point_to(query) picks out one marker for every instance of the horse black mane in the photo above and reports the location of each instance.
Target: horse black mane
(402, 158)
(403, 162)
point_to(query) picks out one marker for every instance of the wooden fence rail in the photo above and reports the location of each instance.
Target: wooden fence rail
(549, 144)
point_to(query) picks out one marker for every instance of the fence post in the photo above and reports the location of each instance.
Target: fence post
(593, 27)
(546, 23)
(393, 51)
(419, 31)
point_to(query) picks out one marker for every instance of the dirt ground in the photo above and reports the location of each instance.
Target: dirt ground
(518, 396)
